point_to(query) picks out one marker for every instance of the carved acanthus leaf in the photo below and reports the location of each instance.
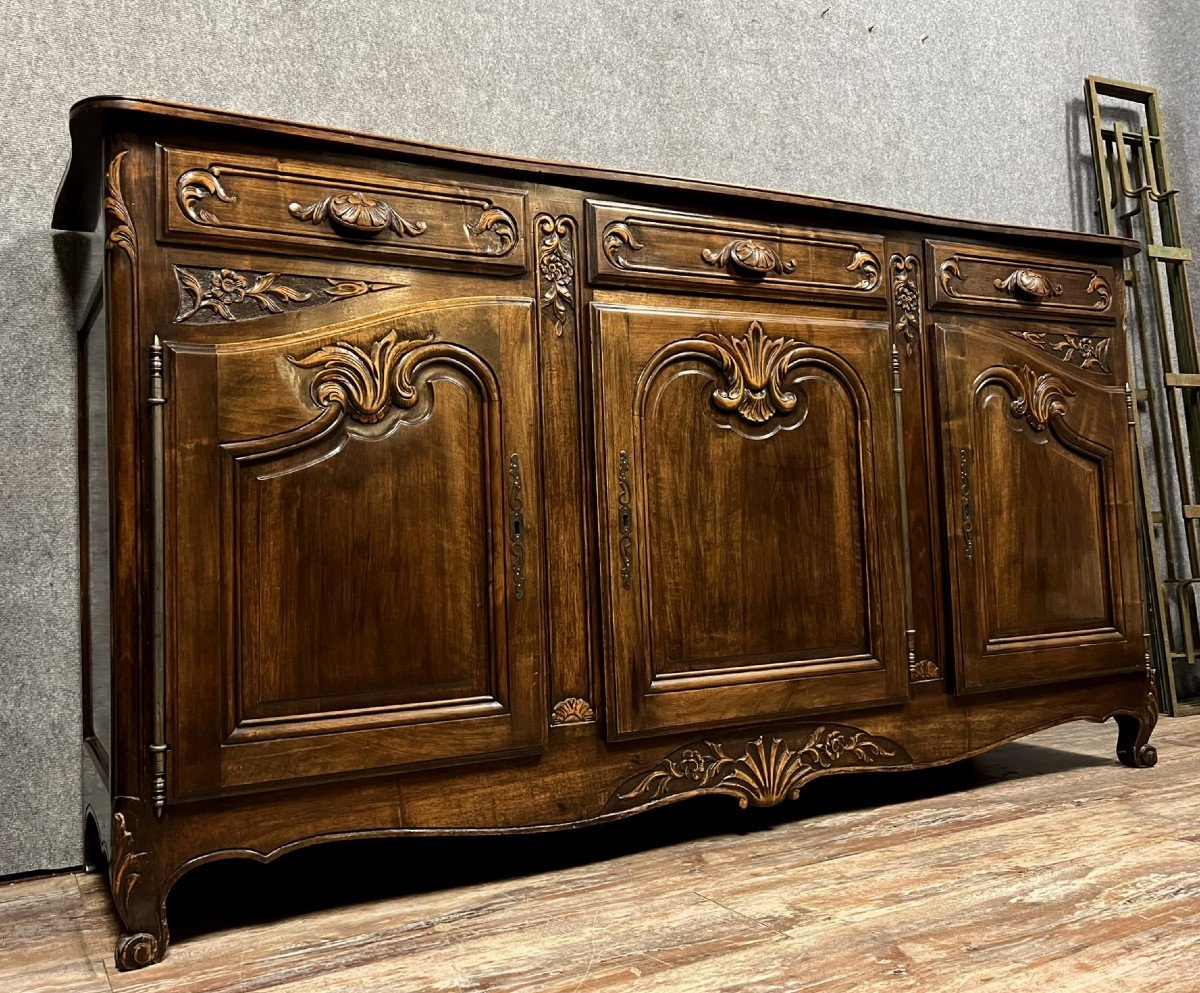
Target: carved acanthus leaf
(617, 236)
(196, 185)
(123, 866)
(1038, 397)
(498, 224)
(754, 367)
(769, 769)
(367, 384)
(1099, 285)
(867, 266)
(120, 234)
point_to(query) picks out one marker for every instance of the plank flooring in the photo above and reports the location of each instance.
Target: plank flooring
(1042, 866)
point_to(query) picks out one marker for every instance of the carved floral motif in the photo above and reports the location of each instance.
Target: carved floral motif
(556, 267)
(357, 213)
(120, 234)
(1084, 351)
(197, 185)
(906, 296)
(749, 258)
(572, 710)
(754, 366)
(768, 771)
(232, 295)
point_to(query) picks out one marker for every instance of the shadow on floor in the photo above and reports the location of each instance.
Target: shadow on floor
(237, 893)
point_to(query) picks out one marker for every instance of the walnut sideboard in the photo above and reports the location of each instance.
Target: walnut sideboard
(433, 491)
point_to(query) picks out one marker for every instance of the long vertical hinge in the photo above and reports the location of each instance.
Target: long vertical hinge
(158, 746)
(896, 387)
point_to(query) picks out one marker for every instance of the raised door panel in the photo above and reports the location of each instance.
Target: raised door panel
(352, 546)
(750, 516)
(1039, 483)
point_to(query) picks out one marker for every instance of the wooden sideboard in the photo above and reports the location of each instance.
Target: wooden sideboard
(432, 491)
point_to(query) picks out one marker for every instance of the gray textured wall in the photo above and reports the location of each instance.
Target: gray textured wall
(949, 106)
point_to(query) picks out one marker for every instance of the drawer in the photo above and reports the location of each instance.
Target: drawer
(634, 246)
(995, 279)
(324, 210)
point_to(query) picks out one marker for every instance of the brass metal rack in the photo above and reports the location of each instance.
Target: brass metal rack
(1136, 199)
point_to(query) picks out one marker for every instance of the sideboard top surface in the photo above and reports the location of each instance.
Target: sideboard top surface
(78, 200)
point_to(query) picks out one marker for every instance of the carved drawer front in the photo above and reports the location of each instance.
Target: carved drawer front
(353, 548)
(971, 276)
(1039, 490)
(749, 517)
(320, 209)
(631, 246)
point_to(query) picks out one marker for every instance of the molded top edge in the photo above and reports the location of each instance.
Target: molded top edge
(77, 202)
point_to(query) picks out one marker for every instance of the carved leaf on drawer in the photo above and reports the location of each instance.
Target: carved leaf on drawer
(497, 224)
(196, 185)
(769, 770)
(867, 266)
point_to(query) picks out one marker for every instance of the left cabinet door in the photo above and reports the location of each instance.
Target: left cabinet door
(352, 548)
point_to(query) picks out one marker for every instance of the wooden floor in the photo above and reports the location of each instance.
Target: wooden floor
(1044, 867)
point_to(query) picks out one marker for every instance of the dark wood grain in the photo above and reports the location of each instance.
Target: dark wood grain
(470, 515)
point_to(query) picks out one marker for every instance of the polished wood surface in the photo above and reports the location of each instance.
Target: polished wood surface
(455, 494)
(1035, 866)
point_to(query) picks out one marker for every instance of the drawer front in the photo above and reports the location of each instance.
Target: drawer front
(324, 210)
(633, 246)
(970, 276)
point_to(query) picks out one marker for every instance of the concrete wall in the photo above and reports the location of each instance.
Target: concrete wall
(960, 107)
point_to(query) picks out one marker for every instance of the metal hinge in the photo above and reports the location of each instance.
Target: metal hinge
(158, 746)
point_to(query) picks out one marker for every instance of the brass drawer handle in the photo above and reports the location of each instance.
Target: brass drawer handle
(357, 214)
(748, 258)
(1029, 284)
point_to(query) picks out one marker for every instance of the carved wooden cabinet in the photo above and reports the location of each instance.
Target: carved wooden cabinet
(432, 491)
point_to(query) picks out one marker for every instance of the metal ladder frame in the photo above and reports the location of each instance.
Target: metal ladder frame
(1131, 168)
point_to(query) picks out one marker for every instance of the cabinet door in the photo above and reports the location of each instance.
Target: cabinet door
(352, 548)
(1040, 491)
(750, 516)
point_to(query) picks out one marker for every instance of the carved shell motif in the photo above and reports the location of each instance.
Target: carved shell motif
(754, 366)
(749, 258)
(767, 772)
(572, 710)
